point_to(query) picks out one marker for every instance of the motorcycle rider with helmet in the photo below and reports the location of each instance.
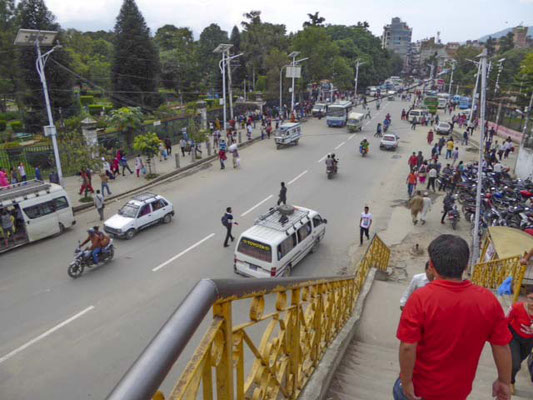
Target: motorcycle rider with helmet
(363, 146)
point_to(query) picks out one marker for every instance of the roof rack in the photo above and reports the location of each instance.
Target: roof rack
(23, 189)
(144, 196)
(279, 221)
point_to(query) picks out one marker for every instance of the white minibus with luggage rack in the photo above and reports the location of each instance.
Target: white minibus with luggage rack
(277, 241)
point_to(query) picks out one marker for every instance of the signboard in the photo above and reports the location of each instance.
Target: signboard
(157, 123)
(50, 130)
(294, 72)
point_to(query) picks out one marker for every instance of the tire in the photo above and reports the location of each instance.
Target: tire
(454, 224)
(111, 254)
(278, 146)
(130, 234)
(315, 245)
(61, 228)
(75, 270)
(330, 175)
(167, 218)
(296, 142)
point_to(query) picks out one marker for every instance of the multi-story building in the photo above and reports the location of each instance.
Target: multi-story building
(451, 48)
(397, 37)
(520, 37)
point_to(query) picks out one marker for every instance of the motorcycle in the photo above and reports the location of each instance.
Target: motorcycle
(363, 150)
(454, 216)
(84, 259)
(332, 170)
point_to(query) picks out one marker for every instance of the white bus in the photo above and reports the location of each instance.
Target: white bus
(338, 113)
(277, 241)
(37, 209)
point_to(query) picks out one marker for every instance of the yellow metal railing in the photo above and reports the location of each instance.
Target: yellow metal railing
(491, 274)
(274, 353)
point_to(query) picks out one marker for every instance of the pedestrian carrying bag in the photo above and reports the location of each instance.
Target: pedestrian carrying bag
(224, 220)
(143, 170)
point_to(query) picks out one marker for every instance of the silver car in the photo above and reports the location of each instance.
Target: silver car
(389, 141)
(443, 128)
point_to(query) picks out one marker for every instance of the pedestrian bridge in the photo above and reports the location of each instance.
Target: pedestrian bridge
(265, 337)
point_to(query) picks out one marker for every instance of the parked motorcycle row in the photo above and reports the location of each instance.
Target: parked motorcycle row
(504, 201)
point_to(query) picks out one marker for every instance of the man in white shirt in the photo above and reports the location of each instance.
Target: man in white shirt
(432, 177)
(364, 224)
(418, 281)
(426, 207)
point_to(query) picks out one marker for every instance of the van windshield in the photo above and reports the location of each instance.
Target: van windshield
(129, 211)
(255, 249)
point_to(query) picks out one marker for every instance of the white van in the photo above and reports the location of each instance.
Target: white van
(277, 241)
(38, 210)
(418, 114)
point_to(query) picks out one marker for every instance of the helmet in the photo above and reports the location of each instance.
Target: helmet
(364, 138)
(91, 231)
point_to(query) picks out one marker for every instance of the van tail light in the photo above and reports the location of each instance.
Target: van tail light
(273, 271)
(234, 260)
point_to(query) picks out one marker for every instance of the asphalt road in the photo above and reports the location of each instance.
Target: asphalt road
(74, 339)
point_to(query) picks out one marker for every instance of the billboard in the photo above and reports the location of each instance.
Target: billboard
(294, 72)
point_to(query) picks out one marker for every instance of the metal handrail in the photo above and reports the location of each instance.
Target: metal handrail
(148, 372)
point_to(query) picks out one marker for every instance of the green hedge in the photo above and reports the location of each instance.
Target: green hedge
(86, 100)
(9, 115)
(95, 109)
(2, 125)
(17, 126)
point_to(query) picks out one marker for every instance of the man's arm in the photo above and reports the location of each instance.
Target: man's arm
(502, 358)
(407, 364)
(408, 292)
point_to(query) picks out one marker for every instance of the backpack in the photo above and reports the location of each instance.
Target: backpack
(224, 220)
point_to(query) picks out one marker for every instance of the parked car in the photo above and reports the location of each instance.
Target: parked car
(443, 128)
(140, 212)
(389, 141)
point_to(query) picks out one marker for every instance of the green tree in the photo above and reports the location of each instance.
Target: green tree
(127, 120)
(135, 67)
(506, 43)
(490, 45)
(75, 153)
(8, 69)
(148, 146)
(33, 14)
(274, 61)
(314, 20)
(210, 38)
(239, 68)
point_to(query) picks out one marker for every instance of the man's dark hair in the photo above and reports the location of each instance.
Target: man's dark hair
(282, 183)
(228, 209)
(449, 254)
(426, 266)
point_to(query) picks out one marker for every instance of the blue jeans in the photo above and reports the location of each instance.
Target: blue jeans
(410, 189)
(95, 254)
(397, 391)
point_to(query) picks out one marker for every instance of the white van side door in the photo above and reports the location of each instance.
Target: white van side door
(41, 220)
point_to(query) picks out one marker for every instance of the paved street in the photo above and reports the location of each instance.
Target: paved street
(64, 338)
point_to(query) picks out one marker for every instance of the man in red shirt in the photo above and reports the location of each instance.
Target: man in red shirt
(412, 161)
(444, 327)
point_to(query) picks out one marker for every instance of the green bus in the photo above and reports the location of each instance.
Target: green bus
(431, 102)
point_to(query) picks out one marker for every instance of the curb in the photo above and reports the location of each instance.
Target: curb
(177, 174)
(318, 386)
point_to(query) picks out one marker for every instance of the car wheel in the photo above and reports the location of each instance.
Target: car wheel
(167, 218)
(130, 234)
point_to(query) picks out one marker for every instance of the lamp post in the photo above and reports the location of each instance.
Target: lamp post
(357, 65)
(31, 37)
(451, 77)
(500, 69)
(294, 73)
(224, 50)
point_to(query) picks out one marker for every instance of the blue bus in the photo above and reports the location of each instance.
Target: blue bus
(465, 102)
(337, 114)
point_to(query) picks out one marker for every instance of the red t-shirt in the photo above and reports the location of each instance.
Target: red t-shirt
(518, 317)
(450, 321)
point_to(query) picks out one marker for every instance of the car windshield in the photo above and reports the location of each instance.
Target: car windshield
(129, 211)
(336, 112)
(389, 138)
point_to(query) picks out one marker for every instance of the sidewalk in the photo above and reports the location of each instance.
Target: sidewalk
(124, 184)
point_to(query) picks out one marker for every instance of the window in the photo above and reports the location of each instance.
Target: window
(40, 210)
(156, 205)
(304, 231)
(60, 203)
(255, 249)
(145, 210)
(286, 246)
(317, 220)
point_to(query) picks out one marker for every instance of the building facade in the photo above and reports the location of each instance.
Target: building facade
(397, 37)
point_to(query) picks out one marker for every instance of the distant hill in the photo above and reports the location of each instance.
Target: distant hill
(500, 34)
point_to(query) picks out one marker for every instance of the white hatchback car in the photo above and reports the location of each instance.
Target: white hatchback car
(139, 213)
(389, 141)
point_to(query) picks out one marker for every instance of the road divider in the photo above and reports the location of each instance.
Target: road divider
(45, 334)
(257, 205)
(298, 177)
(163, 265)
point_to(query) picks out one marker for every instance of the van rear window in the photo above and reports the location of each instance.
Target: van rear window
(255, 249)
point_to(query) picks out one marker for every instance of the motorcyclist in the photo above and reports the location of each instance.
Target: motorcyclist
(386, 124)
(363, 146)
(103, 241)
(94, 238)
(330, 164)
(335, 162)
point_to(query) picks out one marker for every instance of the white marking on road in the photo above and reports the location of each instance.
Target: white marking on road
(322, 159)
(298, 177)
(351, 137)
(182, 253)
(257, 205)
(340, 145)
(45, 334)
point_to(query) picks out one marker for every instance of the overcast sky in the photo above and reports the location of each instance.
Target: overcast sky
(457, 20)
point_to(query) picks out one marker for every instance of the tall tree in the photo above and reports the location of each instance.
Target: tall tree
(506, 43)
(239, 64)
(210, 38)
(8, 77)
(314, 20)
(490, 45)
(33, 14)
(135, 69)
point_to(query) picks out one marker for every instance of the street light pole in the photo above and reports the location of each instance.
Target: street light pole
(293, 54)
(474, 97)
(451, 78)
(31, 37)
(281, 88)
(483, 99)
(222, 66)
(357, 65)
(500, 69)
